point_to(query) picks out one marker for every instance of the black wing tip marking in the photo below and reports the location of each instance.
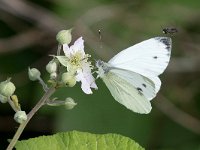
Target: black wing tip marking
(166, 41)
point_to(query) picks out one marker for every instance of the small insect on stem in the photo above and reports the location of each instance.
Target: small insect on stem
(170, 30)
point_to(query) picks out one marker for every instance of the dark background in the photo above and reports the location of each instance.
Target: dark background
(27, 37)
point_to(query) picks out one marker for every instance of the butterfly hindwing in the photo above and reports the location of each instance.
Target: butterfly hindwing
(141, 83)
(125, 92)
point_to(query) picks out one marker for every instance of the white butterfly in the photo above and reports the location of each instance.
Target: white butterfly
(132, 75)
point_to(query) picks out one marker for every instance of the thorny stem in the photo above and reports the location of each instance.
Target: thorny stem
(41, 102)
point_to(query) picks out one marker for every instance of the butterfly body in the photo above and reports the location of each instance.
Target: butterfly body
(132, 75)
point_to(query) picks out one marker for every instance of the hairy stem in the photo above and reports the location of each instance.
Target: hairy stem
(41, 102)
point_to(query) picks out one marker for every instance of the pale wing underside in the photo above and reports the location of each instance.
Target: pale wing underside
(141, 83)
(149, 58)
(157, 83)
(126, 94)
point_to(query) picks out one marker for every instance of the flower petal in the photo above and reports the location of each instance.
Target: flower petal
(90, 79)
(78, 46)
(88, 76)
(85, 86)
(67, 50)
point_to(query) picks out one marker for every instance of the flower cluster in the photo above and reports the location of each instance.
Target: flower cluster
(65, 70)
(78, 66)
(69, 66)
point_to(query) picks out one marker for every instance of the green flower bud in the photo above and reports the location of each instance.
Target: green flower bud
(68, 79)
(69, 103)
(34, 74)
(51, 67)
(20, 116)
(15, 100)
(7, 88)
(3, 99)
(64, 36)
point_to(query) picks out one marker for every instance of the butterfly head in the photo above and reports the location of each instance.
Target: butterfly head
(99, 63)
(103, 68)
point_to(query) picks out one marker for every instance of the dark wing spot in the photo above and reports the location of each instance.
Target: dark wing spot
(139, 89)
(155, 57)
(168, 47)
(144, 85)
(164, 40)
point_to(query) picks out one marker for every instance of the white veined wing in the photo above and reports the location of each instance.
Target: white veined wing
(148, 58)
(125, 91)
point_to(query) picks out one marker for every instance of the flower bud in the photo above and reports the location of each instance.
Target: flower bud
(53, 75)
(3, 99)
(69, 103)
(34, 74)
(51, 67)
(20, 116)
(7, 88)
(64, 36)
(68, 79)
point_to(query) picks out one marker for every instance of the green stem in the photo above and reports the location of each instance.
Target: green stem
(59, 49)
(29, 116)
(44, 86)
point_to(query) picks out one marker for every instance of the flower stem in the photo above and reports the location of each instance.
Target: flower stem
(41, 102)
(45, 87)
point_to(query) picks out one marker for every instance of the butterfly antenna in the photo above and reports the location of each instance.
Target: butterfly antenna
(100, 39)
(100, 34)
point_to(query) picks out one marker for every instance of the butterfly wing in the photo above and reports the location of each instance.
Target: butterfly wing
(144, 85)
(149, 58)
(127, 92)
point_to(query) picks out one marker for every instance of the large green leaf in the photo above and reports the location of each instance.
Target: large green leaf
(75, 140)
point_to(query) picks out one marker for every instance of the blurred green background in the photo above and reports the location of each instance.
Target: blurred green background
(27, 37)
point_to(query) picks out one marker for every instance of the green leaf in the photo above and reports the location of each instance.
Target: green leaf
(63, 60)
(75, 140)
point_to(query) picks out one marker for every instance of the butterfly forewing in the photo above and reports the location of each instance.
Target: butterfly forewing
(148, 58)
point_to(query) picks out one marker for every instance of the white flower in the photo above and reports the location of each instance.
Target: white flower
(78, 63)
